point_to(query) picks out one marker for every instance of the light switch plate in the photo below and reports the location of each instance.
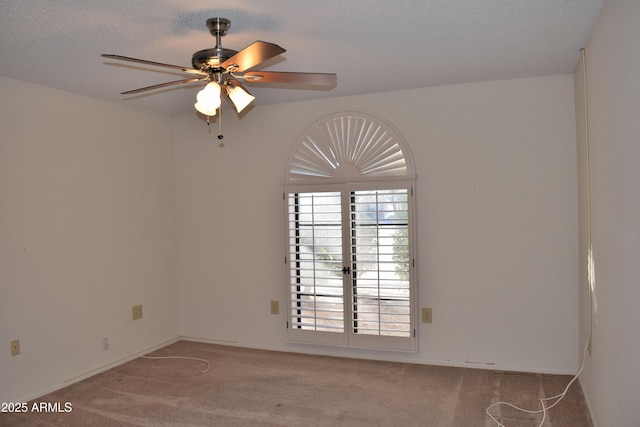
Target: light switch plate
(136, 312)
(275, 307)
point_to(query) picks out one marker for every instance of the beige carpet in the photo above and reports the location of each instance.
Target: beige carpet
(262, 388)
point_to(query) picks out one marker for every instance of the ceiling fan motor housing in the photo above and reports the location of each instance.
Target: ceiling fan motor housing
(209, 60)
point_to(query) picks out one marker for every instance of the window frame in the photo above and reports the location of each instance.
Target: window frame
(348, 338)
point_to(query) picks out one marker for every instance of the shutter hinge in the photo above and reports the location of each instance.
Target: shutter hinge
(414, 333)
(413, 262)
(412, 191)
(284, 197)
(285, 260)
(287, 324)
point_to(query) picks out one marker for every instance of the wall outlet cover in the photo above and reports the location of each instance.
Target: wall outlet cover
(15, 347)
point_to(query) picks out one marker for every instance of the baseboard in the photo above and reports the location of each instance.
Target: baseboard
(588, 402)
(82, 376)
(380, 355)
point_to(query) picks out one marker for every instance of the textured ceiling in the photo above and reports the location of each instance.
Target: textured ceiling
(372, 45)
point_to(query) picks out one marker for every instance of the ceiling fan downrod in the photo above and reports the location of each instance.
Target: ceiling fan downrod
(210, 60)
(218, 27)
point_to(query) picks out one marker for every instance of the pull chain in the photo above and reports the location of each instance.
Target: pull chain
(220, 136)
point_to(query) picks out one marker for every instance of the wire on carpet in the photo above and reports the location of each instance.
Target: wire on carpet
(543, 401)
(165, 357)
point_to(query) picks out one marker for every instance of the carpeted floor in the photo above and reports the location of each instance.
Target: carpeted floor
(247, 387)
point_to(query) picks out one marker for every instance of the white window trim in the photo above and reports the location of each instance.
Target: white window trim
(348, 151)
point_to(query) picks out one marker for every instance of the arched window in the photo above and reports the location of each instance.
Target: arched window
(350, 235)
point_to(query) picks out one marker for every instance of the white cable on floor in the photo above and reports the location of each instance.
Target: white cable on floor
(166, 357)
(545, 408)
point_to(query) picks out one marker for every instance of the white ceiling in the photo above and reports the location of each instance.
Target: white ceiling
(372, 45)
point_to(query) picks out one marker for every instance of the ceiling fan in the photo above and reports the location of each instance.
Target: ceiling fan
(225, 69)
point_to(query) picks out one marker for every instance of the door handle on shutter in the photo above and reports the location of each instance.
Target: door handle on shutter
(346, 270)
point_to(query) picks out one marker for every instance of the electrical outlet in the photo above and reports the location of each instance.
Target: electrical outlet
(105, 343)
(427, 315)
(275, 307)
(15, 347)
(136, 312)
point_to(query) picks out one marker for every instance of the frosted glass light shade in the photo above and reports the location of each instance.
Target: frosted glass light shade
(208, 99)
(240, 97)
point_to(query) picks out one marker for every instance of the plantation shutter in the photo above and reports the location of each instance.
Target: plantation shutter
(380, 262)
(349, 263)
(315, 231)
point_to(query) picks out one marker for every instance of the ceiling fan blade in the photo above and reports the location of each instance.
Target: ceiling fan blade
(316, 79)
(252, 55)
(157, 64)
(161, 85)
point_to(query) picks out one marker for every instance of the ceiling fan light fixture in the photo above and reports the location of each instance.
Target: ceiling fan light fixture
(208, 99)
(239, 97)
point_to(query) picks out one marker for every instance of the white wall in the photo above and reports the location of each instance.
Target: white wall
(86, 232)
(497, 221)
(87, 221)
(612, 374)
